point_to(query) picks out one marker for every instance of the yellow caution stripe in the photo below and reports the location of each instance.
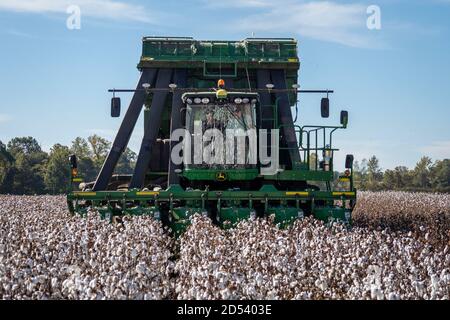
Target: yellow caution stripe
(81, 193)
(297, 193)
(147, 193)
(343, 194)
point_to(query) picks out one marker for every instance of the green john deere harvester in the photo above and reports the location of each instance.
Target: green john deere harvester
(272, 166)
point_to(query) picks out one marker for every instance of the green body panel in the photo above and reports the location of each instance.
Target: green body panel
(230, 216)
(230, 175)
(207, 61)
(251, 174)
(258, 51)
(196, 203)
(302, 175)
(332, 213)
(143, 211)
(107, 212)
(181, 218)
(284, 215)
(175, 193)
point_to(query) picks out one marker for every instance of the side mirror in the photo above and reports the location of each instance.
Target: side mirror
(115, 107)
(325, 107)
(73, 161)
(349, 161)
(344, 118)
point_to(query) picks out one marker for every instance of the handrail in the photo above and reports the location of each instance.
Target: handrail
(274, 113)
(313, 129)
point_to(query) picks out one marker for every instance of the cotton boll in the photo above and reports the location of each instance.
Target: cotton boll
(70, 252)
(65, 257)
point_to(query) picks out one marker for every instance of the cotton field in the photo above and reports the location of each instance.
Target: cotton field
(426, 215)
(398, 248)
(47, 254)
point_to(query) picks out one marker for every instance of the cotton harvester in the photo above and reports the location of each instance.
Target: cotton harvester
(244, 86)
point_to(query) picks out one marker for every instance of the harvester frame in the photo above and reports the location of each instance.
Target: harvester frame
(176, 67)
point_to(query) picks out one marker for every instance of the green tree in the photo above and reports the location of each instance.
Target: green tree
(360, 174)
(389, 181)
(28, 172)
(403, 176)
(421, 173)
(81, 148)
(397, 179)
(92, 153)
(86, 166)
(28, 175)
(99, 148)
(25, 145)
(6, 168)
(26, 169)
(440, 176)
(57, 171)
(374, 174)
(126, 162)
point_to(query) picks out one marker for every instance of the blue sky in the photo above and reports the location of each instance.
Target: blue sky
(395, 82)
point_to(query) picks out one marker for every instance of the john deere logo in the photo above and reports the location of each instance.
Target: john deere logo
(221, 176)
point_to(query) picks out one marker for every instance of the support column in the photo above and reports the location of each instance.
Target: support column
(180, 79)
(285, 118)
(265, 101)
(263, 78)
(125, 131)
(151, 128)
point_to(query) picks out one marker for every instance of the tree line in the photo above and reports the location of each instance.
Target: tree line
(427, 176)
(26, 169)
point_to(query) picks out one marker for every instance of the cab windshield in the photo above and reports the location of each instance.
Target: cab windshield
(225, 118)
(222, 117)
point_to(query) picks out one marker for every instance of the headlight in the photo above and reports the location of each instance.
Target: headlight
(246, 100)
(189, 101)
(198, 100)
(205, 100)
(238, 100)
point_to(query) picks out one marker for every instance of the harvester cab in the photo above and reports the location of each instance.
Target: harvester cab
(220, 139)
(215, 122)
